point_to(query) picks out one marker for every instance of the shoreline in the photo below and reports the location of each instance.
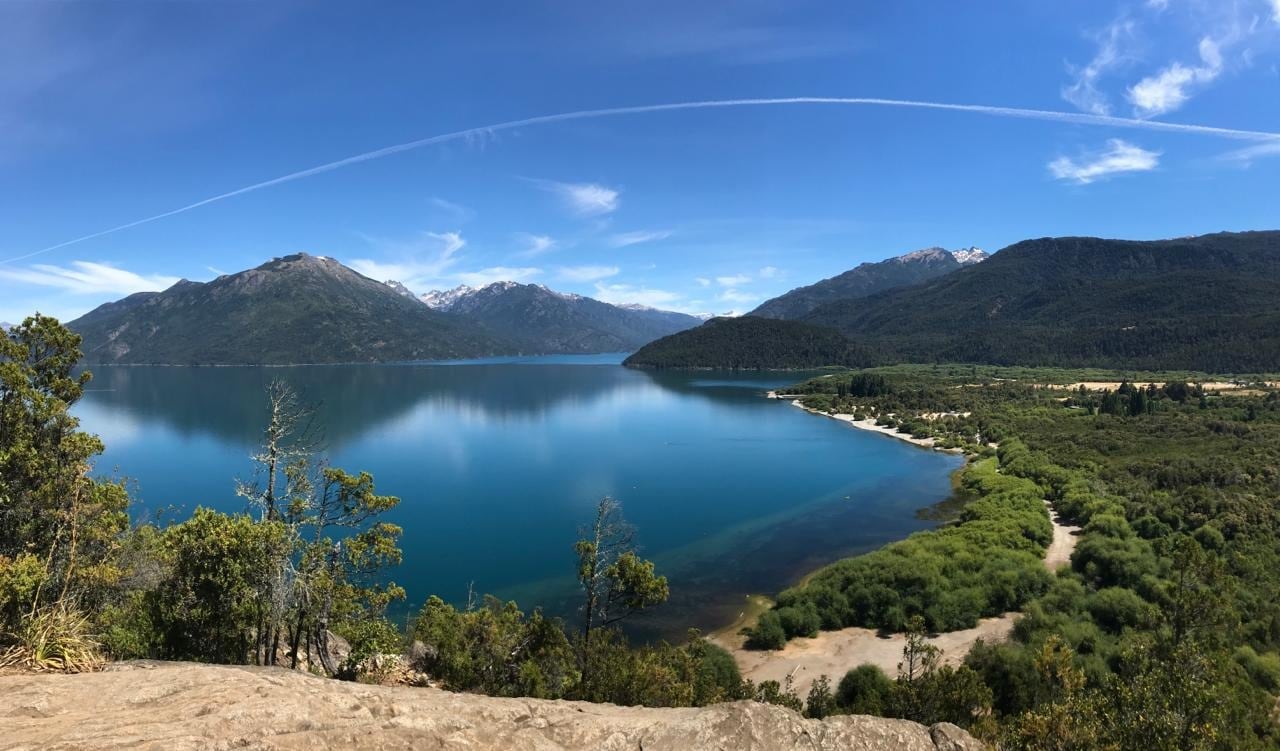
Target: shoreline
(833, 653)
(870, 426)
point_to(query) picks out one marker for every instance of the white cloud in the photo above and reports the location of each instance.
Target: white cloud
(454, 211)
(623, 239)
(703, 281)
(497, 274)
(732, 281)
(1275, 10)
(586, 273)
(768, 272)
(1160, 5)
(1247, 155)
(1169, 89)
(1083, 92)
(87, 277)
(419, 262)
(627, 294)
(535, 245)
(1120, 156)
(584, 199)
(737, 296)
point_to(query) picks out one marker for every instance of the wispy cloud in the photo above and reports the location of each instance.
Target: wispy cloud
(1083, 91)
(703, 281)
(455, 212)
(586, 273)
(498, 274)
(535, 245)
(1246, 156)
(627, 294)
(1119, 156)
(1078, 118)
(733, 281)
(623, 239)
(737, 296)
(584, 199)
(768, 272)
(87, 277)
(419, 262)
(1170, 88)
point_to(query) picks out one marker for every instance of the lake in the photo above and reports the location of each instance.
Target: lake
(498, 463)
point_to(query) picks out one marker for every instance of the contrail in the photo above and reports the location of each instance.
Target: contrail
(1077, 118)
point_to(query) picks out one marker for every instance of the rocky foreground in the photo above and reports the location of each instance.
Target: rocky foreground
(156, 705)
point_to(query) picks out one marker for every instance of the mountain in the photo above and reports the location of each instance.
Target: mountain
(747, 343)
(400, 289)
(296, 309)
(1196, 303)
(1201, 303)
(541, 320)
(868, 279)
(443, 299)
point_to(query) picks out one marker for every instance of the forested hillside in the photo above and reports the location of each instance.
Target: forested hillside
(1200, 303)
(295, 309)
(747, 343)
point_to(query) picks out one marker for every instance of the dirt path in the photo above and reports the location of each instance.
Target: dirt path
(833, 653)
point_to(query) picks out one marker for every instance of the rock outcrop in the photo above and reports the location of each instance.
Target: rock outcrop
(155, 705)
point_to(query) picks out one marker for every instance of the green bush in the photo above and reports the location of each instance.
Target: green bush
(864, 690)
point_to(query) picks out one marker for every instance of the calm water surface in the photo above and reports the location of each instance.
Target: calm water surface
(498, 463)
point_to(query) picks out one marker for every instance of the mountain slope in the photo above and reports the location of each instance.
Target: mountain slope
(295, 309)
(750, 343)
(1204, 303)
(868, 279)
(540, 320)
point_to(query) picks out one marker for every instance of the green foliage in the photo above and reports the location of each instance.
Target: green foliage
(495, 649)
(216, 564)
(865, 690)
(1163, 631)
(986, 564)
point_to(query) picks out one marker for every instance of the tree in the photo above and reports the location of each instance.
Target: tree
(616, 583)
(58, 527)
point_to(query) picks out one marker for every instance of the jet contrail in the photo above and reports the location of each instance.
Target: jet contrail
(1077, 118)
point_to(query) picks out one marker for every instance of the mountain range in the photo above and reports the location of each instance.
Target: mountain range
(312, 309)
(539, 319)
(1204, 303)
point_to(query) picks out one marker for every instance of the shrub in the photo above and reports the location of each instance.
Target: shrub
(864, 690)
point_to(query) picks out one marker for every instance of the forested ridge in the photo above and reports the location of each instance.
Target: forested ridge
(1165, 630)
(1201, 303)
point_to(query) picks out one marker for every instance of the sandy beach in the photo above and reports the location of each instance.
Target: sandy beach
(870, 425)
(833, 653)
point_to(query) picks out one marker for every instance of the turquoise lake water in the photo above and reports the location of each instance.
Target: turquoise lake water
(498, 463)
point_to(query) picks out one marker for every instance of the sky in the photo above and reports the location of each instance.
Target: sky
(144, 142)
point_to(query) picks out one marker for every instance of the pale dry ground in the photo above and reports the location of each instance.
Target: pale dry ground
(870, 425)
(833, 653)
(173, 706)
(1113, 385)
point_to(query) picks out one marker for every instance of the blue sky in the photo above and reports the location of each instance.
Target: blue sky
(116, 112)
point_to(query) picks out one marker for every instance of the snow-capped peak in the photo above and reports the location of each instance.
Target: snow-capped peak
(972, 254)
(443, 299)
(400, 289)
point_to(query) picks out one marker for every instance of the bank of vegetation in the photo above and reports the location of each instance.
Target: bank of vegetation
(1165, 630)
